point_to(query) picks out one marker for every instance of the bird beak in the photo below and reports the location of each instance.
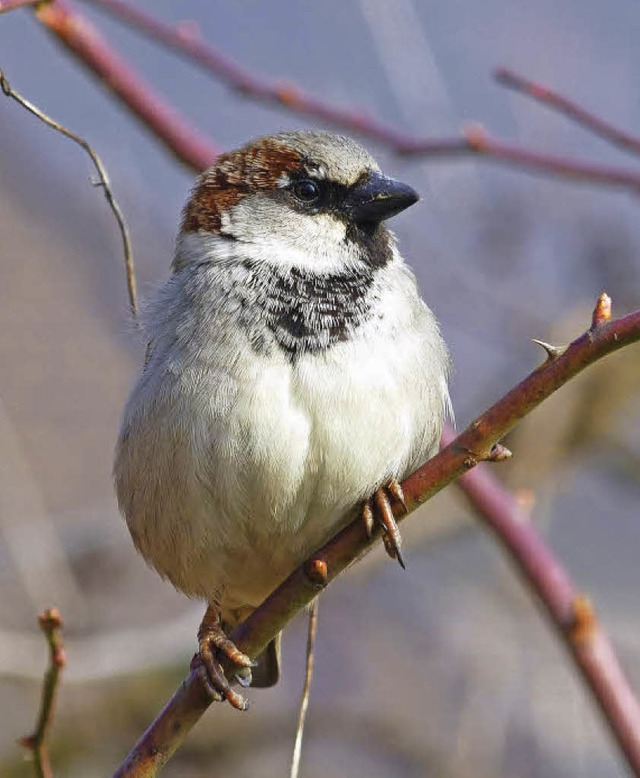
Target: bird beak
(378, 198)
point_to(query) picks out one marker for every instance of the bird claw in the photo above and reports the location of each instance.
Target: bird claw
(214, 645)
(378, 508)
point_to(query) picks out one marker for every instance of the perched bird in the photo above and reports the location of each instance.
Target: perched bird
(292, 371)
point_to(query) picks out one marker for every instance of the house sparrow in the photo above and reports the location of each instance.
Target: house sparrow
(292, 371)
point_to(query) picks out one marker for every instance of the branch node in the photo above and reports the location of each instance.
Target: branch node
(476, 136)
(583, 621)
(553, 352)
(316, 572)
(602, 311)
(189, 30)
(499, 453)
(288, 94)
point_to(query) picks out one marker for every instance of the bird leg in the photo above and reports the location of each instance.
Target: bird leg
(378, 508)
(213, 644)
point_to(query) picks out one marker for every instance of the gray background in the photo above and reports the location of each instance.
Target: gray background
(448, 669)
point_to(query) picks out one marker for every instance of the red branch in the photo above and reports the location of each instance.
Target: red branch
(526, 549)
(570, 109)
(79, 37)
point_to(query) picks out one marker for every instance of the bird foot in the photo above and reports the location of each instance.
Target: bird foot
(213, 646)
(378, 509)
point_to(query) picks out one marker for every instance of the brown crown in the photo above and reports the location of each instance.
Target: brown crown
(253, 168)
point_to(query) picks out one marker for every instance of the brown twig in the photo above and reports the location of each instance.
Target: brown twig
(50, 624)
(304, 701)
(81, 38)
(196, 153)
(103, 181)
(570, 109)
(473, 445)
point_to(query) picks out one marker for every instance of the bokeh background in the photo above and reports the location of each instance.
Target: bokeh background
(449, 669)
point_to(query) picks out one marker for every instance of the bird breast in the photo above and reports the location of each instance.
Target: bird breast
(239, 456)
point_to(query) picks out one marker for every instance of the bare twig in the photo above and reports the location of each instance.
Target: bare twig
(570, 109)
(50, 624)
(612, 690)
(304, 701)
(81, 38)
(103, 181)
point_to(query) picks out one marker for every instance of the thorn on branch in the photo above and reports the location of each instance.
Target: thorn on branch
(50, 624)
(583, 621)
(602, 311)
(553, 352)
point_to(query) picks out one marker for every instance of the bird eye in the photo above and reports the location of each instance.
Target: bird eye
(306, 190)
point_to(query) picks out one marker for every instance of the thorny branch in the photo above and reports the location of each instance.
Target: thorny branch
(527, 550)
(103, 181)
(51, 624)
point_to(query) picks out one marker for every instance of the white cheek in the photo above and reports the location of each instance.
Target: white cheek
(275, 234)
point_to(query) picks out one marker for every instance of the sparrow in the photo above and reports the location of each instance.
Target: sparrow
(292, 371)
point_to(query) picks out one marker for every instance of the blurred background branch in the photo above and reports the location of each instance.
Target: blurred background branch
(570, 109)
(82, 40)
(78, 36)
